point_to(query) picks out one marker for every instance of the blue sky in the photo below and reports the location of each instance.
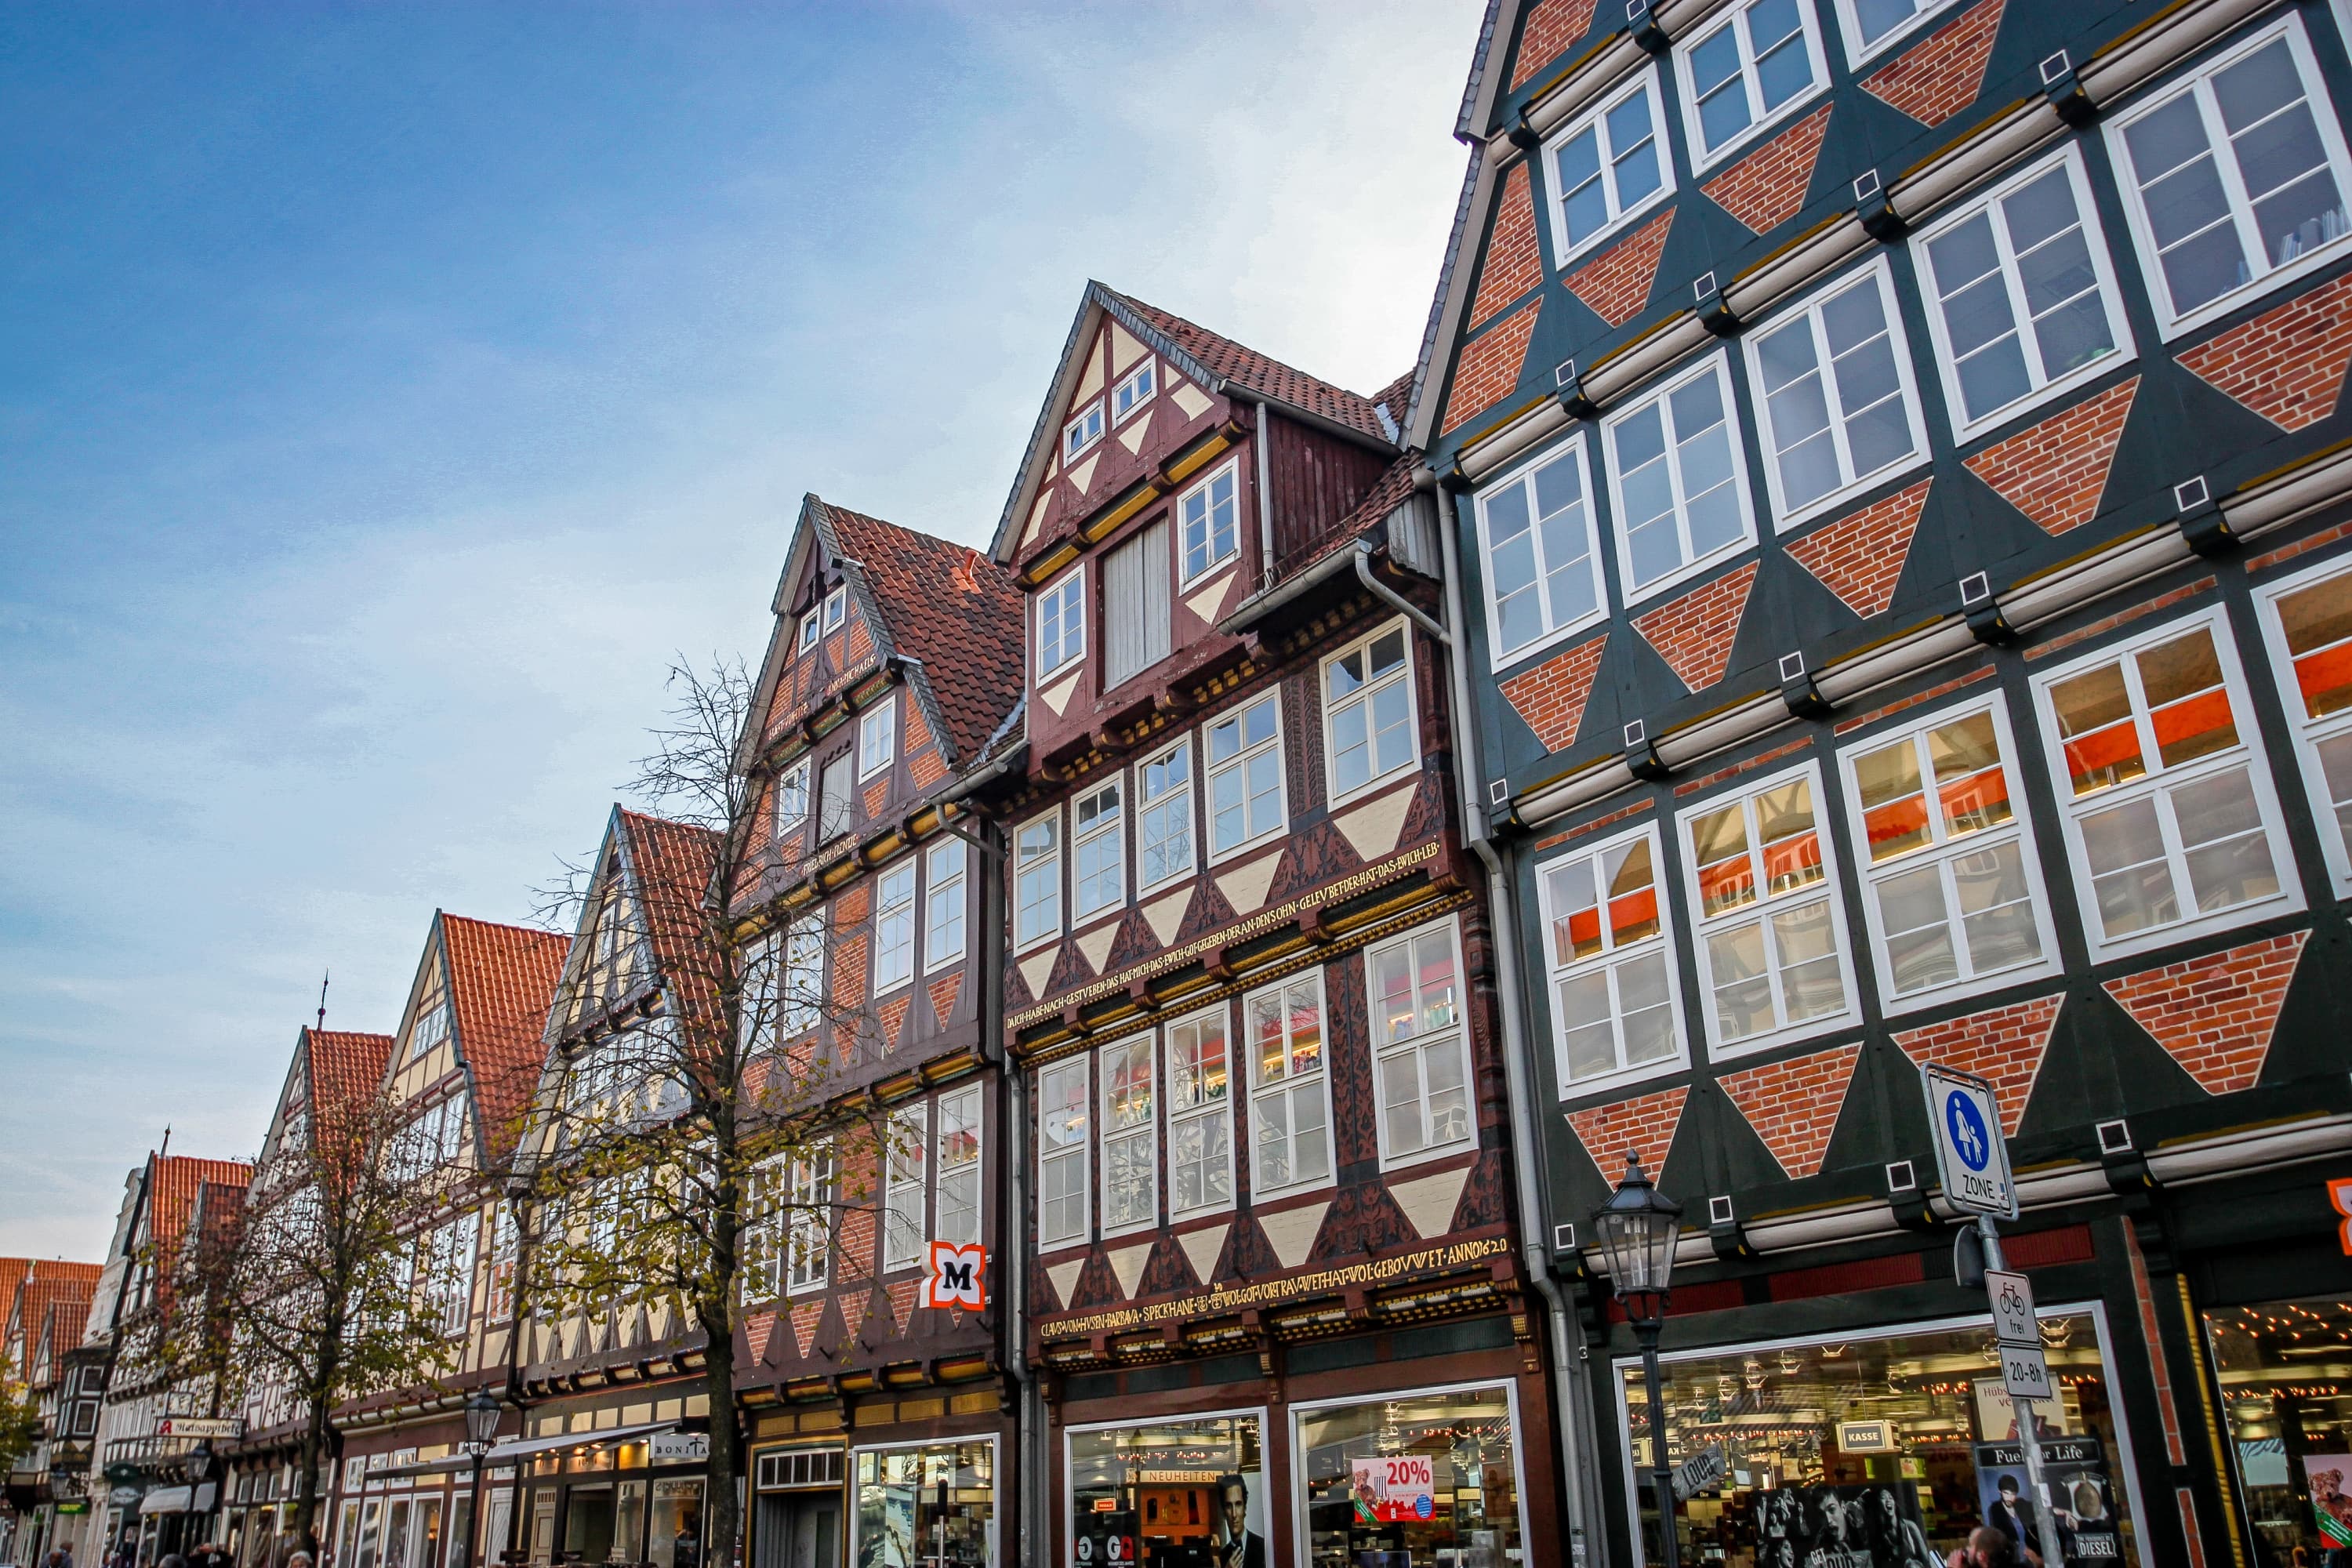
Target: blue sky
(386, 392)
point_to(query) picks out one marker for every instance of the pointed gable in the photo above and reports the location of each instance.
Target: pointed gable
(175, 1181)
(501, 983)
(343, 1068)
(669, 866)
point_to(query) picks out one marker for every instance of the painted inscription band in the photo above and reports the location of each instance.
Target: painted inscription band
(1233, 1297)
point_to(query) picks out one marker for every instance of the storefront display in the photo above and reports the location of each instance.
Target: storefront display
(926, 1504)
(2285, 1371)
(1188, 1492)
(1881, 1450)
(1411, 1479)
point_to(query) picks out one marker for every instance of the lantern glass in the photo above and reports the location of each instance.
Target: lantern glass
(1635, 1232)
(481, 1420)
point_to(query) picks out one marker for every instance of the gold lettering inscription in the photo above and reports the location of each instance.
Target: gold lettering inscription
(1234, 1297)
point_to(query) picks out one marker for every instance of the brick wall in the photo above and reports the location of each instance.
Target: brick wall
(2004, 1045)
(1764, 189)
(1860, 558)
(1489, 368)
(1942, 75)
(1514, 263)
(943, 994)
(1693, 634)
(1552, 26)
(2214, 1014)
(1793, 1105)
(2286, 365)
(1643, 1125)
(2055, 472)
(1616, 283)
(1552, 695)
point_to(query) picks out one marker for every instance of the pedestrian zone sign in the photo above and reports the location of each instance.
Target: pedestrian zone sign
(958, 1278)
(1971, 1156)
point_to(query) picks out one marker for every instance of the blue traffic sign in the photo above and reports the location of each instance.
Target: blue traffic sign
(1971, 1138)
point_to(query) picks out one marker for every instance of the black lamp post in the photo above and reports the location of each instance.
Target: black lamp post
(1635, 1232)
(481, 1436)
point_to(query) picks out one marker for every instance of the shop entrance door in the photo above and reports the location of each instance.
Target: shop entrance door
(588, 1525)
(800, 1530)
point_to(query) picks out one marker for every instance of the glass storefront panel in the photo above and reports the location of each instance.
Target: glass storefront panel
(1881, 1450)
(920, 1506)
(1189, 1492)
(588, 1524)
(677, 1540)
(1412, 1479)
(2285, 1371)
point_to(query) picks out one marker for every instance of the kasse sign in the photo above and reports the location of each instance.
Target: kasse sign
(1971, 1155)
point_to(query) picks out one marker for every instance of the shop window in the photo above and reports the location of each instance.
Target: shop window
(2307, 621)
(1748, 70)
(1411, 1478)
(1200, 1116)
(1420, 1066)
(903, 1189)
(1615, 1007)
(1184, 1491)
(1833, 386)
(1062, 1177)
(2171, 825)
(1368, 712)
(1542, 558)
(675, 1539)
(1130, 1137)
(1679, 480)
(1954, 899)
(2281, 1367)
(1884, 1447)
(1290, 1093)
(1608, 165)
(1163, 818)
(958, 1203)
(931, 1504)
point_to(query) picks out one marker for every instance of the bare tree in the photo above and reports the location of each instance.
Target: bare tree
(695, 1144)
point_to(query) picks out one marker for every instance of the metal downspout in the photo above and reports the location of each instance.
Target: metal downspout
(1263, 441)
(1572, 1383)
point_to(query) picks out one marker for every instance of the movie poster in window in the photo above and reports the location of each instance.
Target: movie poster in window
(2077, 1490)
(1873, 1525)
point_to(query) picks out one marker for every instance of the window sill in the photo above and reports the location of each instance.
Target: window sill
(2250, 293)
(1216, 569)
(1811, 1030)
(1999, 421)
(1145, 1228)
(1683, 575)
(1242, 851)
(1145, 894)
(1846, 496)
(1428, 1156)
(1403, 773)
(2288, 900)
(1891, 1007)
(1569, 255)
(1703, 162)
(1498, 662)
(1610, 1082)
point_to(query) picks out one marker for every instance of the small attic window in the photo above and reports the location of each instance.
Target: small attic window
(1082, 432)
(1134, 392)
(835, 604)
(809, 629)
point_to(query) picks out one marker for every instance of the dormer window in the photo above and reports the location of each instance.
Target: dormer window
(1082, 432)
(1134, 392)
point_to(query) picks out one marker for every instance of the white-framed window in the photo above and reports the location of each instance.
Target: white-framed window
(801, 984)
(449, 1273)
(1063, 1107)
(1083, 431)
(903, 1188)
(762, 976)
(1135, 389)
(2308, 624)
(1608, 166)
(944, 901)
(877, 731)
(956, 1210)
(1771, 933)
(1210, 514)
(1832, 378)
(1062, 622)
(1609, 949)
(1130, 1136)
(894, 927)
(762, 1242)
(1872, 27)
(1290, 1092)
(836, 797)
(793, 802)
(808, 1229)
(1756, 63)
(1679, 480)
(2172, 827)
(2020, 295)
(2233, 177)
(1246, 801)
(1368, 712)
(836, 608)
(1951, 886)
(1037, 880)
(1421, 1065)
(1541, 552)
(1163, 817)
(810, 630)
(1199, 1115)
(1098, 850)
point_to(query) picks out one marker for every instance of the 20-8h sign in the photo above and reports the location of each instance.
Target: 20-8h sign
(1971, 1156)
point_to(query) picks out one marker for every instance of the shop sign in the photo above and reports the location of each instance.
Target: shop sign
(123, 1497)
(200, 1426)
(1396, 1490)
(2339, 1192)
(74, 1505)
(958, 1278)
(2012, 1309)
(1971, 1156)
(1226, 1298)
(1700, 1471)
(1867, 1438)
(678, 1447)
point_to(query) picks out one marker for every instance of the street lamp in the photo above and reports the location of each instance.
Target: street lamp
(1635, 1232)
(481, 1436)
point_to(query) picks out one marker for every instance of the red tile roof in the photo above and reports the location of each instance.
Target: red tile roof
(501, 982)
(172, 1194)
(37, 1297)
(345, 1068)
(1257, 372)
(674, 863)
(65, 1317)
(948, 606)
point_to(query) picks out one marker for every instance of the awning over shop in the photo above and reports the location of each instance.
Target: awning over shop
(167, 1500)
(524, 1448)
(440, 1466)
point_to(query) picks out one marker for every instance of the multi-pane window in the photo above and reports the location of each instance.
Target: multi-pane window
(1199, 1115)
(506, 1240)
(1210, 514)
(902, 1189)
(757, 1009)
(1614, 1009)
(1133, 391)
(763, 1243)
(836, 608)
(834, 797)
(1246, 776)
(808, 1229)
(944, 901)
(809, 630)
(2234, 176)
(1098, 860)
(1948, 865)
(1291, 1101)
(1753, 66)
(1420, 1059)
(1130, 1136)
(876, 730)
(2169, 817)
(1771, 940)
(1368, 709)
(1037, 880)
(957, 1210)
(1873, 25)
(2309, 625)
(448, 1267)
(1063, 1118)
(1163, 817)
(1082, 432)
(2022, 298)
(1608, 165)
(800, 986)
(1137, 627)
(1680, 487)
(792, 801)
(1062, 622)
(894, 927)
(1833, 382)
(1543, 571)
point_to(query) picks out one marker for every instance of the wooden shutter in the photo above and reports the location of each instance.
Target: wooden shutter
(1135, 606)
